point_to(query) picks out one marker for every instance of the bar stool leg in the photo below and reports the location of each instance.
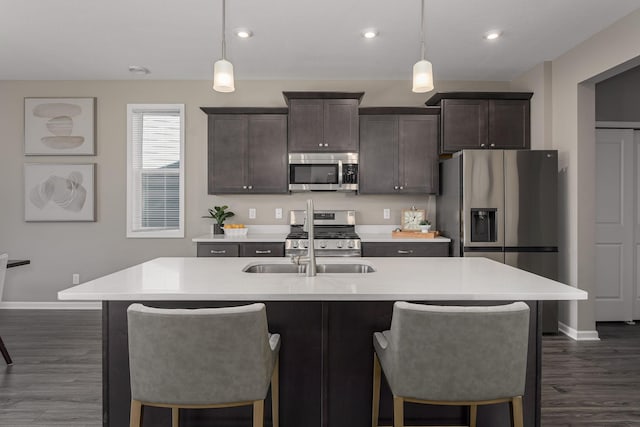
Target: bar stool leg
(516, 403)
(275, 394)
(5, 353)
(175, 417)
(398, 412)
(258, 413)
(375, 406)
(473, 415)
(136, 414)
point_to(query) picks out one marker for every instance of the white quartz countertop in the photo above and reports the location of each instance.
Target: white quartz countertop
(387, 237)
(411, 279)
(250, 237)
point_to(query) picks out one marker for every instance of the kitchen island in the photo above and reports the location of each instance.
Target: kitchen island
(326, 323)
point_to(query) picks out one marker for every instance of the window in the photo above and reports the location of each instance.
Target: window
(155, 170)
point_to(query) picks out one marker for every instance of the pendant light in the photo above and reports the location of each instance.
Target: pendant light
(223, 69)
(422, 70)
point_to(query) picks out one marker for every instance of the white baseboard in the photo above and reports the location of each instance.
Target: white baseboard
(57, 305)
(578, 335)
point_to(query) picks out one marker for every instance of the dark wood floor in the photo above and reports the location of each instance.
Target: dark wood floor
(56, 376)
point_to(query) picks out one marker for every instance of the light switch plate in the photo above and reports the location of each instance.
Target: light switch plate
(386, 213)
(75, 279)
(252, 213)
(278, 213)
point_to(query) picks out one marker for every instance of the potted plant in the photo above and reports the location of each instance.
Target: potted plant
(425, 225)
(220, 214)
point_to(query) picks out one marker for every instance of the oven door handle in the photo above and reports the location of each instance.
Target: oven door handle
(340, 173)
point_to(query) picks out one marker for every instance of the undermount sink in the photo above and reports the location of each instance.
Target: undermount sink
(320, 268)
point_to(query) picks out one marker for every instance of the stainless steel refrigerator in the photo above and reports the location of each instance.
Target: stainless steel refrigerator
(502, 204)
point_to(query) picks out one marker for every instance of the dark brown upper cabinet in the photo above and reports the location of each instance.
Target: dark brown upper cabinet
(472, 120)
(398, 150)
(323, 121)
(247, 150)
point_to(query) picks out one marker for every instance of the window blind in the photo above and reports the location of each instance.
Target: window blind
(155, 156)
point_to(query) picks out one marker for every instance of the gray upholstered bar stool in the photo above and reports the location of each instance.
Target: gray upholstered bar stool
(202, 358)
(451, 355)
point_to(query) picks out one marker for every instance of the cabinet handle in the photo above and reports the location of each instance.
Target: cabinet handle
(493, 145)
(258, 251)
(326, 145)
(244, 187)
(401, 187)
(395, 187)
(320, 145)
(481, 145)
(250, 187)
(223, 251)
(405, 252)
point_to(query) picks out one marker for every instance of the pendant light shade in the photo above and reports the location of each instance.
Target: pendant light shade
(223, 76)
(422, 70)
(223, 80)
(422, 76)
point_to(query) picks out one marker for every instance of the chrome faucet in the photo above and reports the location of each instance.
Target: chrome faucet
(310, 259)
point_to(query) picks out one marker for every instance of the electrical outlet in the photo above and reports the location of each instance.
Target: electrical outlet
(386, 213)
(75, 279)
(252, 213)
(278, 213)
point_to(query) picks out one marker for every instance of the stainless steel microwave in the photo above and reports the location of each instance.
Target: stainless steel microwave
(323, 171)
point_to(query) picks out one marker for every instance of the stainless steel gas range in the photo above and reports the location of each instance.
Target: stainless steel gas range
(335, 234)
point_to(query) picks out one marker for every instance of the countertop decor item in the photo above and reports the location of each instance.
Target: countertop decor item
(411, 218)
(413, 234)
(59, 126)
(425, 225)
(235, 230)
(220, 214)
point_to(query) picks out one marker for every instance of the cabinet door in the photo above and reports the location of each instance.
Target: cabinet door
(227, 153)
(418, 153)
(509, 124)
(378, 155)
(464, 124)
(402, 249)
(267, 157)
(218, 249)
(258, 249)
(306, 118)
(340, 125)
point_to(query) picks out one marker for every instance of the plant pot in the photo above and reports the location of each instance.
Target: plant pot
(425, 228)
(217, 229)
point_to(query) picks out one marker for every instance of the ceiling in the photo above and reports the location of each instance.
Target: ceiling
(293, 39)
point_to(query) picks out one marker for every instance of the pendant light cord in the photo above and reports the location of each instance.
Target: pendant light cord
(224, 31)
(421, 30)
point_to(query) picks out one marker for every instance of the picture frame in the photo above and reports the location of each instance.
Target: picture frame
(59, 126)
(59, 192)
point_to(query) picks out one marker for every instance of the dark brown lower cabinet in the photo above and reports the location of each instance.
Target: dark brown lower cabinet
(402, 249)
(244, 249)
(326, 369)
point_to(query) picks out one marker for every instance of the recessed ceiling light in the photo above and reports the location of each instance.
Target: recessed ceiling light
(492, 35)
(139, 70)
(243, 33)
(370, 33)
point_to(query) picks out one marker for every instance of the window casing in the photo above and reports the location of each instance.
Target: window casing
(155, 170)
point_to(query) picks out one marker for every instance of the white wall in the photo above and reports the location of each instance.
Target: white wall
(572, 80)
(58, 250)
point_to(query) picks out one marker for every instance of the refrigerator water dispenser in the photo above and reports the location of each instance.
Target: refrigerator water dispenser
(483, 225)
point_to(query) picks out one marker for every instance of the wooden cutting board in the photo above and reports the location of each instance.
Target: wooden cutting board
(405, 234)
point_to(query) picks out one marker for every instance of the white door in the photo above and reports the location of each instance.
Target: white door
(615, 230)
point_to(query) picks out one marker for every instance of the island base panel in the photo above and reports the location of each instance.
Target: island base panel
(326, 366)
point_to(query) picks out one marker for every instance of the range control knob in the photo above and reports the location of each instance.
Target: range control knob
(350, 244)
(294, 244)
(304, 244)
(339, 244)
(323, 244)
